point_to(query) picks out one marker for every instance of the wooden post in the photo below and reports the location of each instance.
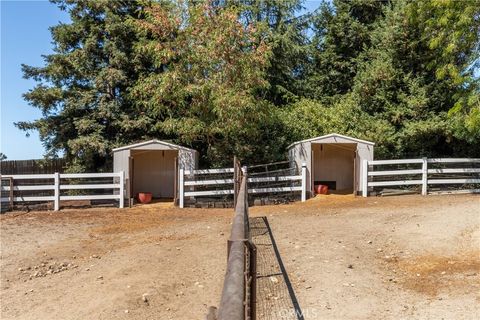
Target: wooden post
(181, 192)
(304, 182)
(122, 190)
(424, 176)
(245, 174)
(365, 178)
(127, 192)
(56, 204)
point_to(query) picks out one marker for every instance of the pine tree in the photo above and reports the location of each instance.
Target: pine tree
(341, 31)
(391, 82)
(248, 77)
(398, 83)
(453, 32)
(286, 34)
(82, 90)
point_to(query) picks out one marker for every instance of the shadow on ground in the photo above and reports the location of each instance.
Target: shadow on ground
(275, 295)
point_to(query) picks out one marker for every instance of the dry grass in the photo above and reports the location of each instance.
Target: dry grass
(432, 274)
(131, 223)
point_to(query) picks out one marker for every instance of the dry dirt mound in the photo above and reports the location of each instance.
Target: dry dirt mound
(432, 274)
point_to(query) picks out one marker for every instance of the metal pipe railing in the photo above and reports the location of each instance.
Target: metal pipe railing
(240, 220)
(236, 303)
(233, 295)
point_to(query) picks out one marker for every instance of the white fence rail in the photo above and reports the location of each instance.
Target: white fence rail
(55, 184)
(228, 183)
(422, 175)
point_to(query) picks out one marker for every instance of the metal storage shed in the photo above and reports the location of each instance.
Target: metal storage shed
(152, 166)
(334, 160)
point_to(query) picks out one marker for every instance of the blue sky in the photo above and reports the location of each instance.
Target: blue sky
(24, 38)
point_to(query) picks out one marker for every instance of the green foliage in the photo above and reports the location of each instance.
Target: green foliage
(286, 34)
(387, 74)
(341, 31)
(83, 88)
(249, 77)
(453, 28)
(208, 71)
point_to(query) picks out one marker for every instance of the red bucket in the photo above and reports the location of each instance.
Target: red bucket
(321, 189)
(144, 197)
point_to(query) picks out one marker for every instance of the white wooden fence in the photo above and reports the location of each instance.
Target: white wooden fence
(422, 175)
(229, 182)
(116, 184)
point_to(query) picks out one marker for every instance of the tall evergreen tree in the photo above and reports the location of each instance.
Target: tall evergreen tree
(393, 89)
(399, 82)
(453, 32)
(286, 34)
(248, 77)
(82, 90)
(341, 31)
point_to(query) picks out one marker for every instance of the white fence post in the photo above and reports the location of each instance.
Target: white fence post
(365, 178)
(56, 204)
(122, 190)
(424, 176)
(181, 187)
(304, 182)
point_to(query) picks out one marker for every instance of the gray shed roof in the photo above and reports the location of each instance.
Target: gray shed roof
(153, 142)
(332, 135)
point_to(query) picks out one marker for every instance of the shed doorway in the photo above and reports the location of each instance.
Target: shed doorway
(334, 165)
(154, 171)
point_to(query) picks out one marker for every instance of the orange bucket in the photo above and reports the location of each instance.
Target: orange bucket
(144, 197)
(321, 189)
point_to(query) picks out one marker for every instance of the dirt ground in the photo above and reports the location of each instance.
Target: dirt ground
(347, 258)
(404, 257)
(101, 263)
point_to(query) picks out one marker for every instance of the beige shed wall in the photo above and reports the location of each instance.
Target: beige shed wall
(364, 152)
(154, 171)
(187, 159)
(120, 161)
(302, 152)
(334, 162)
